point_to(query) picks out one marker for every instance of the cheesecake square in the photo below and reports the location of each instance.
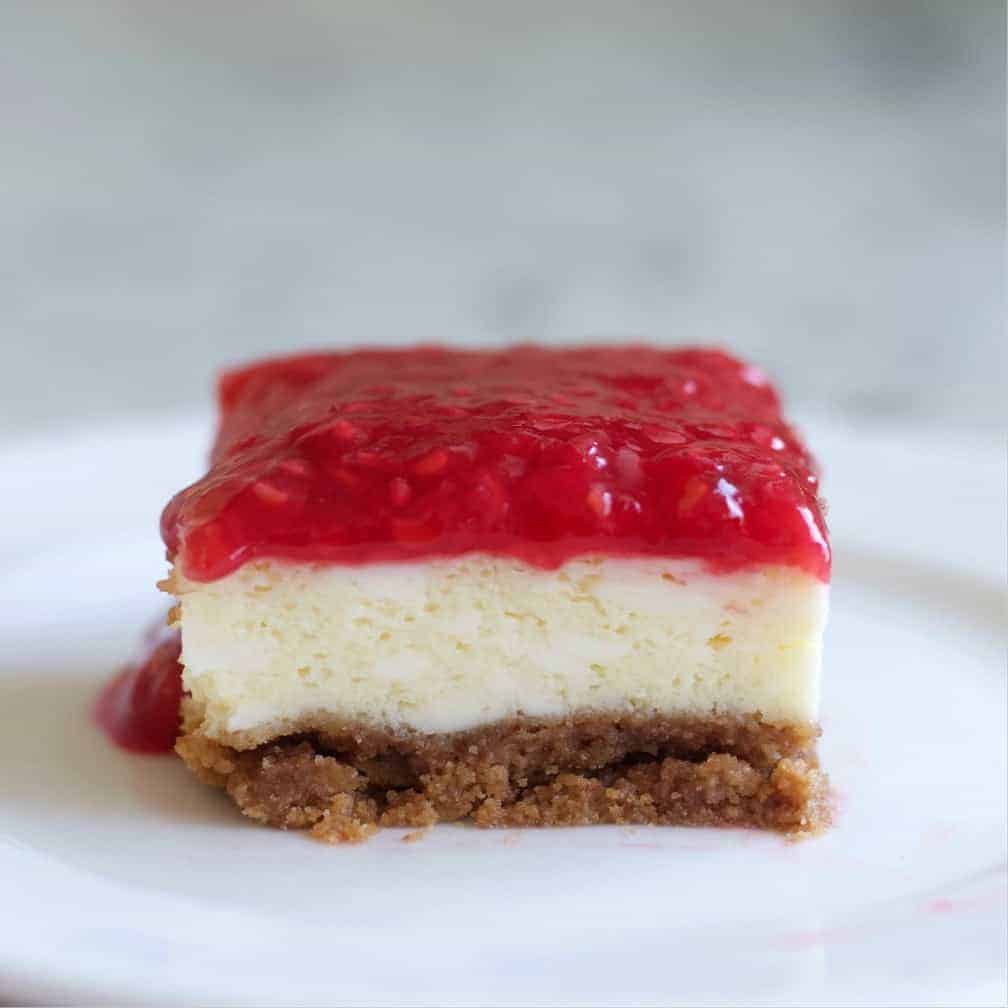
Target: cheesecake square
(522, 587)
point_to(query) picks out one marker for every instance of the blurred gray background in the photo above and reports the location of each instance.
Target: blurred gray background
(818, 185)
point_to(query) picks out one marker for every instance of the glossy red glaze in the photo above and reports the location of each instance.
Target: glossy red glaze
(541, 454)
(139, 708)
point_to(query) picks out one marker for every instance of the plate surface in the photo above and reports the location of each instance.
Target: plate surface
(125, 880)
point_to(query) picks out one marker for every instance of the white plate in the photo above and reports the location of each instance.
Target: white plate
(125, 880)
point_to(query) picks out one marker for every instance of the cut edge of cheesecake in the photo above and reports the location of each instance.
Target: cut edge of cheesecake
(613, 690)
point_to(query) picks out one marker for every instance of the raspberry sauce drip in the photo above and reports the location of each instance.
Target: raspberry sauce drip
(541, 454)
(139, 708)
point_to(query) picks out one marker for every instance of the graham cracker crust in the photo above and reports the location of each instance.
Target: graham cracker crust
(345, 781)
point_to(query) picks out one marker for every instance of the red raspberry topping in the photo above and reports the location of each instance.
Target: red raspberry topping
(541, 454)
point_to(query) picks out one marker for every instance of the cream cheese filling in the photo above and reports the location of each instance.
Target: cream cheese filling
(454, 643)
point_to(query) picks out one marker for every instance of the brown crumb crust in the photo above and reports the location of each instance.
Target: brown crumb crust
(346, 782)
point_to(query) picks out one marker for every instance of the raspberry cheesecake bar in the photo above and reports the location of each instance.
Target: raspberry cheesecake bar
(526, 587)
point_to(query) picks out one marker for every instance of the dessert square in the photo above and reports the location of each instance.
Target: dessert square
(523, 587)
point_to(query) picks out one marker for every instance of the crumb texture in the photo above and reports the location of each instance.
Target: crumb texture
(346, 782)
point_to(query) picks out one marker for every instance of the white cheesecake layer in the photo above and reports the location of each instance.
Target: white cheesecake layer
(450, 644)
